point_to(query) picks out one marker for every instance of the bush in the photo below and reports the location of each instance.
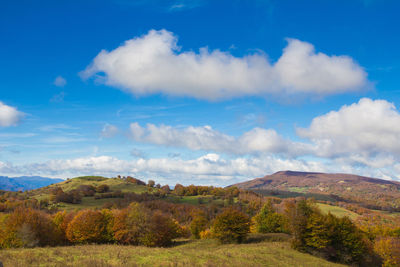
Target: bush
(87, 190)
(161, 231)
(198, 224)
(336, 239)
(231, 226)
(26, 227)
(206, 234)
(88, 226)
(269, 221)
(151, 183)
(102, 188)
(61, 220)
(73, 196)
(388, 248)
(138, 225)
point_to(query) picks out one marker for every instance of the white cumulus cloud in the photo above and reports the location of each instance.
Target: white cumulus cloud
(207, 169)
(9, 116)
(257, 140)
(369, 129)
(154, 63)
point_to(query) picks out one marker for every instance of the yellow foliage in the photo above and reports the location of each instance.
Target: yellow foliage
(253, 225)
(206, 234)
(389, 249)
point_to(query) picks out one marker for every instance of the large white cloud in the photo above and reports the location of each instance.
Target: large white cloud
(257, 140)
(369, 129)
(210, 168)
(365, 133)
(154, 63)
(9, 116)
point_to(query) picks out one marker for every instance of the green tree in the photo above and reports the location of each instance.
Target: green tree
(231, 226)
(269, 221)
(151, 183)
(198, 224)
(103, 188)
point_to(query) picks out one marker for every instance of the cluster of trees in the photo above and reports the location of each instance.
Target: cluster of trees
(336, 239)
(75, 196)
(384, 231)
(134, 225)
(193, 190)
(147, 219)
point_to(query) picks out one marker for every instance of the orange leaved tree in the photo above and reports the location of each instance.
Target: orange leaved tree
(88, 226)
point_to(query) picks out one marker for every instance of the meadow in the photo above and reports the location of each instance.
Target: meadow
(184, 253)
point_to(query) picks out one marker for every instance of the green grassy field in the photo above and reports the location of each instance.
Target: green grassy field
(337, 211)
(115, 184)
(191, 253)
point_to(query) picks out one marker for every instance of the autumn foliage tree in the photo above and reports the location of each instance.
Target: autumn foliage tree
(269, 221)
(231, 226)
(27, 227)
(336, 239)
(388, 248)
(138, 225)
(198, 224)
(88, 226)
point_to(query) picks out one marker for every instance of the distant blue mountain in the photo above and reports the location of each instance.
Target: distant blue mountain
(24, 183)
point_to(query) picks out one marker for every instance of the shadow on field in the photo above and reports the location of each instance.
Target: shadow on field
(270, 237)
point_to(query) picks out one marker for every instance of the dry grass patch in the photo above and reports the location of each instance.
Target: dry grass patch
(193, 253)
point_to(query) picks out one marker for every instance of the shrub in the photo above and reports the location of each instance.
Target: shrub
(87, 190)
(138, 225)
(73, 196)
(336, 239)
(269, 221)
(198, 224)
(88, 226)
(161, 231)
(103, 188)
(231, 226)
(151, 183)
(26, 227)
(134, 181)
(206, 234)
(61, 220)
(388, 248)
(130, 224)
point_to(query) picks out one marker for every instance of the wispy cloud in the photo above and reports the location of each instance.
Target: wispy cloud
(60, 81)
(108, 131)
(56, 127)
(164, 5)
(17, 135)
(57, 98)
(62, 139)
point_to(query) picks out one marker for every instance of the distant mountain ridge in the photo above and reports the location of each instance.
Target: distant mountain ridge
(24, 183)
(349, 187)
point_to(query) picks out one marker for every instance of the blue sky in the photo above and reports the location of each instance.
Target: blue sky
(197, 91)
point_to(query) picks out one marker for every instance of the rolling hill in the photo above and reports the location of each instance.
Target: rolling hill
(369, 192)
(24, 183)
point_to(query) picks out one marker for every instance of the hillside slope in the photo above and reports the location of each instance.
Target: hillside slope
(192, 253)
(372, 192)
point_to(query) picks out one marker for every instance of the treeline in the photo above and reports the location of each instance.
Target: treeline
(158, 223)
(134, 225)
(149, 219)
